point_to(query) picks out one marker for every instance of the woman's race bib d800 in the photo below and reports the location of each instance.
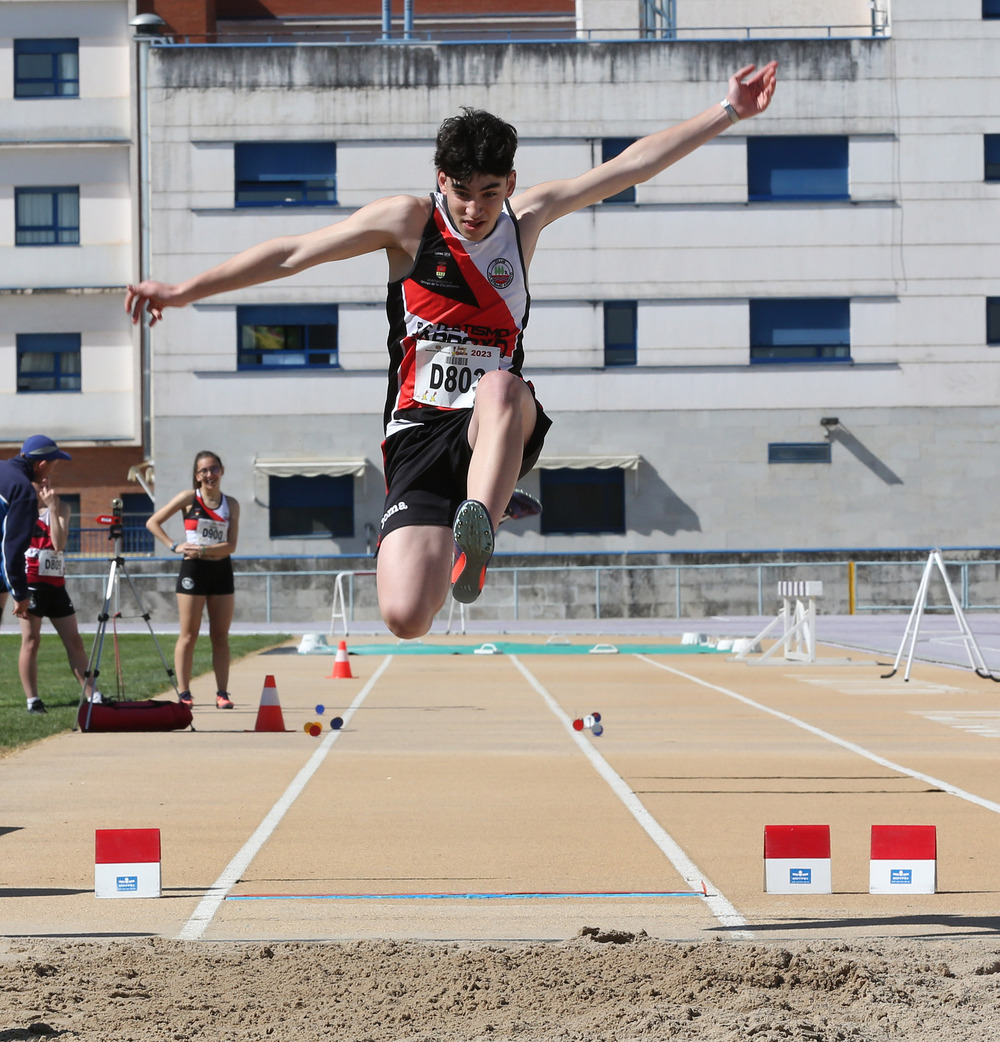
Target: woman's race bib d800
(209, 532)
(447, 374)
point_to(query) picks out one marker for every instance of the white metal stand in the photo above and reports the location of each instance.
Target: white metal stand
(912, 631)
(342, 609)
(797, 621)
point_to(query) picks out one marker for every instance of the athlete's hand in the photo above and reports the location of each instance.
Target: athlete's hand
(47, 496)
(151, 297)
(755, 95)
(21, 608)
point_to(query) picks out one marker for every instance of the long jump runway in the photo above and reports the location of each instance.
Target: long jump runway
(458, 801)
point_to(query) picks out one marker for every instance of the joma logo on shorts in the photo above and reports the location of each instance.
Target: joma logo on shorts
(392, 510)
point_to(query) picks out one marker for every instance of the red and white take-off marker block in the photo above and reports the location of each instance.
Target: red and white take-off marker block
(797, 859)
(127, 863)
(904, 859)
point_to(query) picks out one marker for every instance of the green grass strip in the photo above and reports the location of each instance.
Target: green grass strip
(142, 671)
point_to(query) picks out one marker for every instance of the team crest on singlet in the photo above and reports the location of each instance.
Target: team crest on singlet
(500, 273)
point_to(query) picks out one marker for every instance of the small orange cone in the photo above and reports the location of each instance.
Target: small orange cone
(269, 716)
(341, 664)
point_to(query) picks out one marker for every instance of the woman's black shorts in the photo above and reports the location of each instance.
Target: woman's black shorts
(200, 577)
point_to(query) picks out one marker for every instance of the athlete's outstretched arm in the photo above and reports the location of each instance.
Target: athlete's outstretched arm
(385, 224)
(748, 93)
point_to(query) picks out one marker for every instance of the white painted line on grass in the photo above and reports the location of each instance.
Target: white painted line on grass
(853, 747)
(721, 908)
(216, 894)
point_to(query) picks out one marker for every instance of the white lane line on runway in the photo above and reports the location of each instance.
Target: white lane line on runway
(853, 747)
(216, 894)
(721, 908)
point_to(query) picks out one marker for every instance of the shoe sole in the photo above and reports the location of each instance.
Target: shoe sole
(474, 537)
(521, 505)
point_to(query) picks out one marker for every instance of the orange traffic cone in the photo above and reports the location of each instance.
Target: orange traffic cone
(341, 664)
(269, 716)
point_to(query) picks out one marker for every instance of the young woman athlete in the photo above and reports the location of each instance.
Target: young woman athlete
(211, 527)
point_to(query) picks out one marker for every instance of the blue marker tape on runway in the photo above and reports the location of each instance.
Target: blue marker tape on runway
(473, 896)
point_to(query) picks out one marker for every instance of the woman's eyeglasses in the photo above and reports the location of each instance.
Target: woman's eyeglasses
(207, 471)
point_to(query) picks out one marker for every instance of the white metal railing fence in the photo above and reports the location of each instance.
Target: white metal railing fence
(583, 591)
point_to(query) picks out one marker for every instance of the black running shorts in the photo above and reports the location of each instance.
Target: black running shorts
(49, 602)
(203, 577)
(426, 468)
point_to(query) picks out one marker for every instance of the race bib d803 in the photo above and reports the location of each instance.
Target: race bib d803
(447, 374)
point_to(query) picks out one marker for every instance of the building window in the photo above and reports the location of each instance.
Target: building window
(286, 173)
(798, 452)
(619, 332)
(800, 330)
(312, 508)
(48, 362)
(991, 8)
(46, 69)
(582, 502)
(72, 500)
(136, 537)
(993, 320)
(282, 336)
(797, 168)
(47, 216)
(610, 147)
(991, 151)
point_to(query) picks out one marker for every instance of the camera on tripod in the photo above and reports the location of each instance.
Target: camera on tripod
(113, 520)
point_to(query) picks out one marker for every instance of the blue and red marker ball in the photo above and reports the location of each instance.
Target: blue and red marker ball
(591, 722)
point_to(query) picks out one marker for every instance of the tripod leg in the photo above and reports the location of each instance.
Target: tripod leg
(93, 666)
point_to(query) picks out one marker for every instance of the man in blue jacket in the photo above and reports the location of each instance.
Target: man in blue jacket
(20, 479)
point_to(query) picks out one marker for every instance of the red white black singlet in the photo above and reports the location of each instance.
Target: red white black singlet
(205, 526)
(43, 563)
(460, 312)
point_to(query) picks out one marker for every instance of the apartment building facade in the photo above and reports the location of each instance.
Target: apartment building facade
(68, 364)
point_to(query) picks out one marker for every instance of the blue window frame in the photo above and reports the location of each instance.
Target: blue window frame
(611, 147)
(311, 508)
(993, 320)
(800, 330)
(582, 502)
(991, 8)
(798, 452)
(991, 156)
(787, 168)
(47, 216)
(48, 362)
(72, 500)
(281, 336)
(46, 68)
(136, 537)
(620, 332)
(286, 173)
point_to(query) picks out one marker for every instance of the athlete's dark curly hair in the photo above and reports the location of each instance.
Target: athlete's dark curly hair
(475, 142)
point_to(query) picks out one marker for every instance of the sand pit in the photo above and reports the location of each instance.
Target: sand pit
(600, 986)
